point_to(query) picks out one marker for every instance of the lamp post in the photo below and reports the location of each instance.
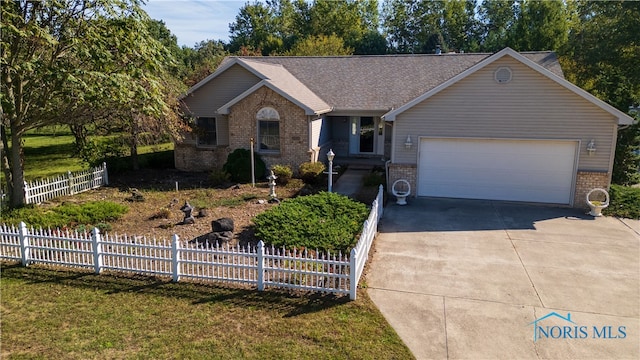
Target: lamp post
(330, 156)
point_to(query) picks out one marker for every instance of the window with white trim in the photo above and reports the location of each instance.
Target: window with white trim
(206, 132)
(268, 130)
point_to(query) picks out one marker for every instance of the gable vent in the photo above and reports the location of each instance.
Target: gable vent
(502, 75)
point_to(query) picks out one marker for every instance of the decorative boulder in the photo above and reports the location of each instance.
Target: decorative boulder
(222, 225)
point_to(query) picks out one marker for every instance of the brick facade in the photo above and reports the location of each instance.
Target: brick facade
(294, 127)
(585, 181)
(403, 171)
(188, 157)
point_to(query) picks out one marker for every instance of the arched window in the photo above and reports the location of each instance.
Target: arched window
(268, 129)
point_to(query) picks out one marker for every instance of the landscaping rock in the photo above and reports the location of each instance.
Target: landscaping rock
(223, 224)
(220, 237)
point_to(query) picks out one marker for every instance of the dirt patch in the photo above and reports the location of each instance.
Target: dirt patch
(159, 215)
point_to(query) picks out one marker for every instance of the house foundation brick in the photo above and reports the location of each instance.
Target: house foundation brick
(190, 158)
(587, 180)
(403, 171)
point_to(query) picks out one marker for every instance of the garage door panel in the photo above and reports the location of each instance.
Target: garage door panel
(518, 170)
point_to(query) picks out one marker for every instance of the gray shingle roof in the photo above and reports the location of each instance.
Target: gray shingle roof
(377, 82)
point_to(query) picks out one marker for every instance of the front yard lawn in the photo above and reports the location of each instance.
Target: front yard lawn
(55, 314)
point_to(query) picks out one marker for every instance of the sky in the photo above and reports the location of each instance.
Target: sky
(192, 21)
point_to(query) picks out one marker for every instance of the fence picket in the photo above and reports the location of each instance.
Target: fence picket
(258, 265)
(41, 190)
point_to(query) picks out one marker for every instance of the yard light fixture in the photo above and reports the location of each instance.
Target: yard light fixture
(408, 144)
(591, 147)
(330, 157)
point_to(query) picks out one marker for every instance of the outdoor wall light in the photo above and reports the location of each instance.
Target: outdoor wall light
(408, 144)
(591, 147)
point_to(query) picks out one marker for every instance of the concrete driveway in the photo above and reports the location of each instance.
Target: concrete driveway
(476, 279)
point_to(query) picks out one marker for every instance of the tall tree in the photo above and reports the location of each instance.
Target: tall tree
(256, 26)
(73, 59)
(541, 25)
(603, 57)
(320, 45)
(499, 19)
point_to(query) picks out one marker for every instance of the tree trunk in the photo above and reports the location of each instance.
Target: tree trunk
(79, 132)
(16, 160)
(135, 163)
(6, 164)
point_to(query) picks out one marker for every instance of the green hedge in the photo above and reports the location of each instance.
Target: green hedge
(324, 221)
(624, 202)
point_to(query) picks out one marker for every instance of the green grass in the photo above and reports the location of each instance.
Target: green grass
(48, 314)
(48, 155)
(66, 214)
(50, 152)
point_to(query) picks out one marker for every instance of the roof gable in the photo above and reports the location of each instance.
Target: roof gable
(623, 119)
(278, 79)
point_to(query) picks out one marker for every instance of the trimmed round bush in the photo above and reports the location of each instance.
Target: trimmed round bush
(324, 221)
(238, 166)
(283, 174)
(310, 172)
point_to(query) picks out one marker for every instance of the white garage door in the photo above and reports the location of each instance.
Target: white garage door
(517, 170)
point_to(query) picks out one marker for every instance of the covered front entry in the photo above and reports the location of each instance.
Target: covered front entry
(497, 169)
(359, 136)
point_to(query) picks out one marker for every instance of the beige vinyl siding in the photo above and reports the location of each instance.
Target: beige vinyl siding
(530, 106)
(217, 92)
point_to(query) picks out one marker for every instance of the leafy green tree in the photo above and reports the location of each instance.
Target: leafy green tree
(79, 60)
(200, 61)
(415, 26)
(320, 45)
(499, 19)
(255, 26)
(541, 25)
(603, 57)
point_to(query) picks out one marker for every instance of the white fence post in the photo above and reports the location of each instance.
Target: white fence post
(105, 175)
(97, 250)
(260, 260)
(24, 244)
(70, 179)
(353, 274)
(380, 201)
(175, 260)
(27, 196)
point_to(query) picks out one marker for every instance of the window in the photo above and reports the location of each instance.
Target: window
(206, 132)
(268, 130)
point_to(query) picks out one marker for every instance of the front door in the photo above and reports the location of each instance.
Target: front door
(363, 135)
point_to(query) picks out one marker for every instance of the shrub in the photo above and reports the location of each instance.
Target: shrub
(238, 166)
(219, 177)
(324, 221)
(624, 202)
(283, 174)
(310, 172)
(374, 179)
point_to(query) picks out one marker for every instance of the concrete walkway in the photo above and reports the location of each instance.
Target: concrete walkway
(350, 182)
(467, 279)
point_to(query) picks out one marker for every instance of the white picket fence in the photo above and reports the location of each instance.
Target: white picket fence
(259, 266)
(39, 191)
